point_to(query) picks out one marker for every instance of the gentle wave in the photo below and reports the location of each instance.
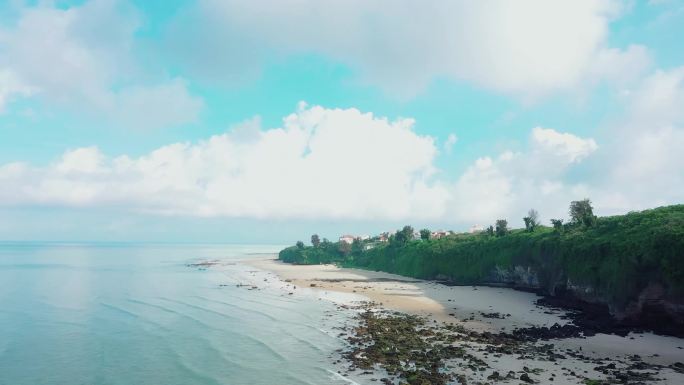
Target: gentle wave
(138, 315)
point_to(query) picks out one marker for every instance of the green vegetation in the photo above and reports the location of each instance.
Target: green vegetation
(531, 220)
(501, 227)
(581, 212)
(617, 256)
(315, 240)
(557, 224)
(402, 236)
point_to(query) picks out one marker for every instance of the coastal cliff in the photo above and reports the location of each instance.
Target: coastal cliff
(654, 307)
(630, 266)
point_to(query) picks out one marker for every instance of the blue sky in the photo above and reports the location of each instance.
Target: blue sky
(266, 121)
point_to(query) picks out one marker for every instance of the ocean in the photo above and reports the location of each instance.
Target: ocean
(134, 314)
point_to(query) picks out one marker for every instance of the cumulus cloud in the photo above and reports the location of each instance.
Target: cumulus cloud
(638, 166)
(82, 58)
(85, 160)
(323, 163)
(344, 164)
(527, 48)
(507, 185)
(569, 147)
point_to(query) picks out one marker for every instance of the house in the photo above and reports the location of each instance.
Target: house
(347, 238)
(439, 234)
(475, 229)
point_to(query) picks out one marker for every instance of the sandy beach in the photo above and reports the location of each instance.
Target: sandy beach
(457, 304)
(481, 309)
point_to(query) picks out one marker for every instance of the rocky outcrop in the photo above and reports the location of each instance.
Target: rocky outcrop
(653, 309)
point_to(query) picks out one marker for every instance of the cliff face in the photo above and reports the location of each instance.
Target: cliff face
(653, 308)
(653, 305)
(516, 276)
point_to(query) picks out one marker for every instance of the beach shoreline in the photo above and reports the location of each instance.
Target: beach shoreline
(481, 309)
(429, 299)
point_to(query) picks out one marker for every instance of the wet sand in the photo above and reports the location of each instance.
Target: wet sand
(457, 304)
(469, 306)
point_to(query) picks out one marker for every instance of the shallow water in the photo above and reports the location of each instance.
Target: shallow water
(136, 314)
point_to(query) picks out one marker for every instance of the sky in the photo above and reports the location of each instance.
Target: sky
(267, 121)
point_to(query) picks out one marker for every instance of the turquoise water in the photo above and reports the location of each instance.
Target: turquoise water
(136, 314)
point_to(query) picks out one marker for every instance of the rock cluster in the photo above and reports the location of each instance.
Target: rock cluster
(406, 349)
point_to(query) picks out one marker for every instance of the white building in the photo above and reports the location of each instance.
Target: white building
(439, 234)
(347, 238)
(475, 229)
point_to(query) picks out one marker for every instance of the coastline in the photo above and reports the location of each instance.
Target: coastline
(487, 310)
(429, 299)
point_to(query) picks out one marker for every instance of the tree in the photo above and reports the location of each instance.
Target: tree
(300, 245)
(407, 231)
(501, 227)
(531, 220)
(404, 235)
(528, 224)
(315, 240)
(398, 238)
(581, 212)
(425, 234)
(557, 224)
(344, 248)
(490, 230)
(327, 245)
(534, 218)
(357, 246)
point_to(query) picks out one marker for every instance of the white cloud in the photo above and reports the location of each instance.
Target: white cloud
(323, 163)
(11, 87)
(659, 98)
(527, 48)
(82, 58)
(569, 147)
(86, 160)
(343, 164)
(639, 164)
(483, 192)
(621, 67)
(160, 105)
(449, 143)
(508, 185)
(85, 55)
(644, 161)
